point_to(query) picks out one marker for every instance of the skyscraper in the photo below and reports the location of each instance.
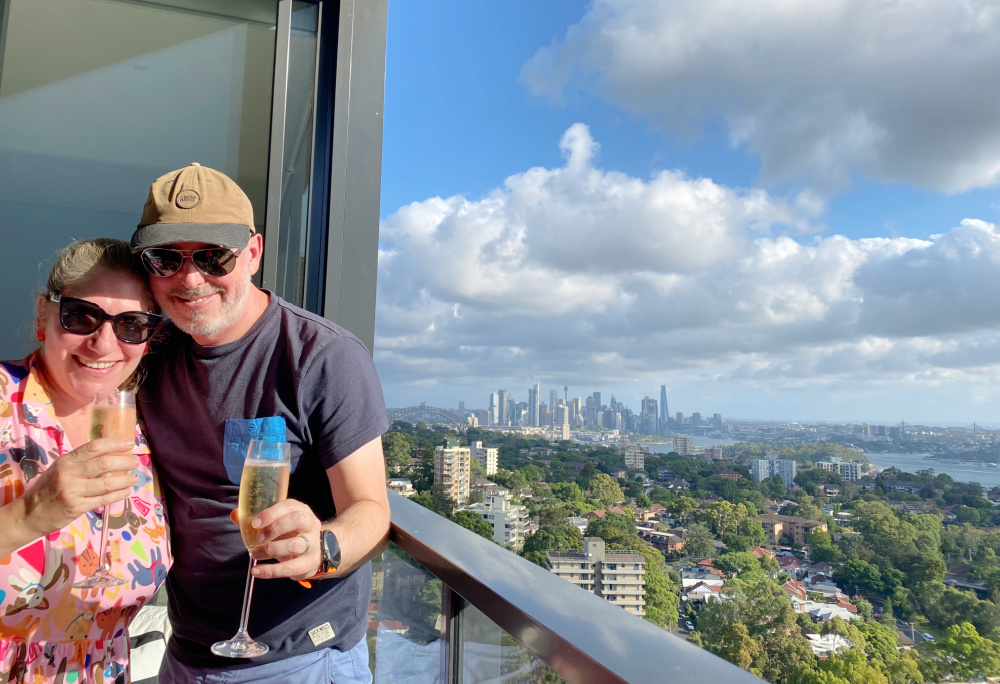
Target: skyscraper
(664, 414)
(650, 417)
(553, 402)
(505, 408)
(533, 405)
(597, 401)
(494, 415)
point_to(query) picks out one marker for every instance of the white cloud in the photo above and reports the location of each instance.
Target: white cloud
(593, 278)
(819, 89)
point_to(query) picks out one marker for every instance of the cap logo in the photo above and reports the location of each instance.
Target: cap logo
(187, 199)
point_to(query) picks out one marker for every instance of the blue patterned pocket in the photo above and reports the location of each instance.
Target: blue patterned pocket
(239, 432)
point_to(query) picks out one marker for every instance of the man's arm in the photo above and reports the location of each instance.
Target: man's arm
(357, 483)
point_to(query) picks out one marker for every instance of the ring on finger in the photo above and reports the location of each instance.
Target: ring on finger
(306, 540)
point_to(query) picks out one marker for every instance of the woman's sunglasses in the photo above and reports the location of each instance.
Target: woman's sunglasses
(212, 261)
(80, 317)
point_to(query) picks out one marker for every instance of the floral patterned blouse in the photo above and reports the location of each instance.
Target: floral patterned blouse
(49, 630)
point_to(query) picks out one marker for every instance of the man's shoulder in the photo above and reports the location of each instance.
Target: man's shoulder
(314, 332)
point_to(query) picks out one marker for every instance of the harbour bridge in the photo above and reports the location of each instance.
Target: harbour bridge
(427, 414)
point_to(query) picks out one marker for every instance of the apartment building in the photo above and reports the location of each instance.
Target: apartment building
(713, 453)
(487, 456)
(684, 446)
(452, 469)
(797, 528)
(761, 469)
(509, 522)
(635, 457)
(615, 576)
(849, 470)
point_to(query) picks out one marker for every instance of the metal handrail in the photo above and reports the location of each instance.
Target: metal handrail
(578, 634)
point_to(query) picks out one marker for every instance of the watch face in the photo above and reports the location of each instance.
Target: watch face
(331, 550)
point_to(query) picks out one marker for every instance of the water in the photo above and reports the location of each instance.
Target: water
(698, 442)
(910, 463)
(961, 472)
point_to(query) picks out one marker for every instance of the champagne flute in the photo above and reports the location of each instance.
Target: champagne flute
(263, 484)
(113, 415)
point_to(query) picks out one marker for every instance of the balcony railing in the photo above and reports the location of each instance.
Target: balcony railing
(451, 606)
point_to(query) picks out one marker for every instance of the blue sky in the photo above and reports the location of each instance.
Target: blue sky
(623, 194)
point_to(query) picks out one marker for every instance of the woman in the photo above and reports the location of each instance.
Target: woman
(94, 323)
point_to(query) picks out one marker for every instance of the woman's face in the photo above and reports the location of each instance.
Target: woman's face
(80, 367)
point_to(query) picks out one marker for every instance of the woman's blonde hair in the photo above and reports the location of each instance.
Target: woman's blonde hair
(81, 262)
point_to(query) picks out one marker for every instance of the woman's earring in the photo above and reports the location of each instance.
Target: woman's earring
(41, 335)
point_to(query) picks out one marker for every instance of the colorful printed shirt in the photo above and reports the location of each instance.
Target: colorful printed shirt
(49, 630)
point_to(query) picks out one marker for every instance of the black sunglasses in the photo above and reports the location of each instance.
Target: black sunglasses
(212, 261)
(80, 317)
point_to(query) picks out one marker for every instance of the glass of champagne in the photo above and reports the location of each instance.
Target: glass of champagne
(263, 484)
(113, 415)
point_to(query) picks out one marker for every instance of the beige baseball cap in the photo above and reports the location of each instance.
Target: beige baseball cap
(195, 204)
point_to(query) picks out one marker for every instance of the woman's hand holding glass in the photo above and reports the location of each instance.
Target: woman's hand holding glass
(87, 478)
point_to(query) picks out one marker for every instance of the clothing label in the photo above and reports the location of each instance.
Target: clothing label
(321, 634)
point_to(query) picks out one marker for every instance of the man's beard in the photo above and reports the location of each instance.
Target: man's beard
(205, 323)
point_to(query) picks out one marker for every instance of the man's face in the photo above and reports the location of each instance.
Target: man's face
(206, 306)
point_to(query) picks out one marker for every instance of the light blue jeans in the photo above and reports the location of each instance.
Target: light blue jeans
(326, 666)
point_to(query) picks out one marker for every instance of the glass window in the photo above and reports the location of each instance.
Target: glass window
(96, 105)
(296, 168)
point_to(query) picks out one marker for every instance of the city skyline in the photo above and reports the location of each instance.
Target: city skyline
(803, 233)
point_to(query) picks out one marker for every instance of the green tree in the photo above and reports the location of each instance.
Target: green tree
(737, 646)
(606, 490)
(966, 514)
(398, 448)
(848, 667)
(568, 491)
(767, 614)
(559, 538)
(642, 501)
(424, 499)
(822, 548)
(516, 482)
(962, 654)
(613, 528)
(683, 508)
(473, 521)
(699, 542)
(887, 618)
(742, 564)
(725, 517)
(662, 600)
(749, 535)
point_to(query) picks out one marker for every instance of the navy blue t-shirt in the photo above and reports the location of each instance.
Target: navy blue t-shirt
(321, 380)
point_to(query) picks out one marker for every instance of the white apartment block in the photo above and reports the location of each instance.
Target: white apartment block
(452, 470)
(761, 469)
(684, 446)
(509, 522)
(849, 470)
(615, 576)
(635, 457)
(487, 456)
(401, 485)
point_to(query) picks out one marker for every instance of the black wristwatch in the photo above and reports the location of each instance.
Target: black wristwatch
(330, 552)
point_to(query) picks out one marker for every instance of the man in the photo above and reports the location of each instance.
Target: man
(242, 353)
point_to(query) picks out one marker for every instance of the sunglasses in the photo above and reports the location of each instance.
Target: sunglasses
(212, 261)
(80, 317)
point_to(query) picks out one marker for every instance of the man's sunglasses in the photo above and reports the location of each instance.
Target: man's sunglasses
(212, 261)
(80, 317)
